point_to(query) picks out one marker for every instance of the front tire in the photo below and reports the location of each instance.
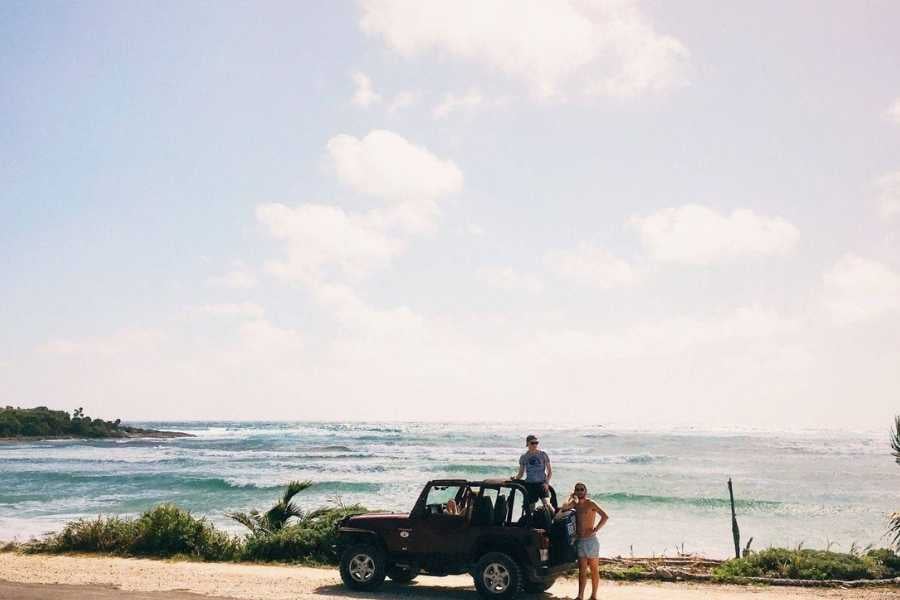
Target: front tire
(401, 575)
(497, 576)
(538, 587)
(363, 567)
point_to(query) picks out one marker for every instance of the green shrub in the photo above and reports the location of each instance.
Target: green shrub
(104, 534)
(810, 564)
(887, 557)
(163, 531)
(167, 530)
(309, 540)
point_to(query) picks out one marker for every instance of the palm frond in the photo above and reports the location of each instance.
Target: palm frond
(249, 520)
(294, 488)
(894, 531)
(277, 516)
(895, 439)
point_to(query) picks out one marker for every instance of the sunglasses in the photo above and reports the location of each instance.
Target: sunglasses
(580, 489)
(533, 443)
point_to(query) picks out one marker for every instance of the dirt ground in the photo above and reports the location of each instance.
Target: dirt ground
(24, 577)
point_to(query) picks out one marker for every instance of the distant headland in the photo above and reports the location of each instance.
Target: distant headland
(23, 424)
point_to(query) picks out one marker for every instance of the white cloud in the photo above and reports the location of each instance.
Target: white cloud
(594, 47)
(364, 320)
(409, 178)
(858, 289)
(507, 278)
(319, 237)
(243, 310)
(238, 278)
(893, 113)
(475, 230)
(888, 192)
(666, 337)
(694, 234)
(469, 102)
(364, 96)
(591, 266)
(261, 338)
(324, 242)
(385, 165)
(119, 342)
(403, 100)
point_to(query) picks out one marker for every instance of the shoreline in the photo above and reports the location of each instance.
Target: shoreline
(251, 581)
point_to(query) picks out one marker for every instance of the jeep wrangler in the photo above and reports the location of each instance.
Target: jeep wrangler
(489, 529)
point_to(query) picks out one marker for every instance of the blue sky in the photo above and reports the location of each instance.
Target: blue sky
(612, 211)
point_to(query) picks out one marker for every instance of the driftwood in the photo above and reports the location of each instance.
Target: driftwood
(646, 561)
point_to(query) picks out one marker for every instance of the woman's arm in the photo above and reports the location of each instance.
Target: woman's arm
(570, 503)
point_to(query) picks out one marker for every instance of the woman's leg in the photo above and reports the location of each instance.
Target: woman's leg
(582, 576)
(595, 576)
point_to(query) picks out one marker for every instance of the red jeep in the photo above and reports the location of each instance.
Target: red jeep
(497, 536)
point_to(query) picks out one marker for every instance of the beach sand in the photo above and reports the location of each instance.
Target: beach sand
(82, 577)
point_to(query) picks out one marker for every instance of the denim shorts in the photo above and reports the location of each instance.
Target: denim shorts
(588, 547)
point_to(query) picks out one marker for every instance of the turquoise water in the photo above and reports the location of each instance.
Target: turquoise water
(661, 488)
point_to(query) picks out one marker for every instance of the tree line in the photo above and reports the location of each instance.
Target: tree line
(43, 422)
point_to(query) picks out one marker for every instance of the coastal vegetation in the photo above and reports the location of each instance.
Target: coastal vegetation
(311, 537)
(894, 530)
(163, 531)
(41, 422)
(287, 533)
(284, 533)
(800, 563)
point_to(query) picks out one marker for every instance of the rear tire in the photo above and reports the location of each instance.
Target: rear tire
(401, 575)
(363, 567)
(497, 576)
(538, 587)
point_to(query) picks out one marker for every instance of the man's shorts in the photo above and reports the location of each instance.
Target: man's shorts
(536, 491)
(588, 547)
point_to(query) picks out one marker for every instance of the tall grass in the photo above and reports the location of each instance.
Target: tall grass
(163, 531)
(782, 563)
(167, 530)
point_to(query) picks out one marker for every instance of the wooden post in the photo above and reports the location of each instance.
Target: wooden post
(734, 526)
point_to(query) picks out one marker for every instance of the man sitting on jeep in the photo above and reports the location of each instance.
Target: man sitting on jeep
(535, 465)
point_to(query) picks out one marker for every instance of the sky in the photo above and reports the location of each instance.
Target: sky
(609, 212)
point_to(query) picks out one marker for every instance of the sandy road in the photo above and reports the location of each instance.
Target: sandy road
(25, 577)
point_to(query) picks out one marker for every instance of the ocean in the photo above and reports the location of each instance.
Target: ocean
(665, 491)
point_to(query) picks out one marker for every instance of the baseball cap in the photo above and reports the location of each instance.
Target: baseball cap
(531, 438)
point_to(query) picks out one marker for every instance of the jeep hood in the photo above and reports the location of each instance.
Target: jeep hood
(384, 519)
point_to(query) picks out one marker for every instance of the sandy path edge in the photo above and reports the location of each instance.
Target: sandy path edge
(268, 582)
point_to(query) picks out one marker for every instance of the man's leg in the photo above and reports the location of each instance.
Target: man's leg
(595, 576)
(582, 576)
(545, 500)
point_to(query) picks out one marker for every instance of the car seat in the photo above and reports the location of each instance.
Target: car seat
(483, 513)
(500, 510)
